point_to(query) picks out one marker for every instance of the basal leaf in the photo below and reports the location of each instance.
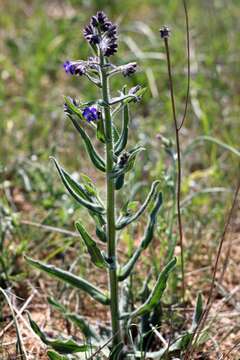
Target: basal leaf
(63, 346)
(71, 279)
(76, 319)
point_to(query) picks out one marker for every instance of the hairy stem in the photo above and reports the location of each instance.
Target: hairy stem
(111, 236)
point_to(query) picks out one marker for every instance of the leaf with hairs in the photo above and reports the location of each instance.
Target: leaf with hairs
(63, 346)
(147, 238)
(77, 191)
(71, 279)
(76, 319)
(122, 141)
(96, 159)
(93, 250)
(156, 292)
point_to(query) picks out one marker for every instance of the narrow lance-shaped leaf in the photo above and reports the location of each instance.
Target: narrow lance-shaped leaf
(63, 346)
(115, 353)
(183, 342)
(147, 238)
(197, 312)
(94, 156)
(157, 291)
(76, 319)
(71, 279)
(122, 141)
(73, 109)
(73, 188)
(127, 219)
(119, 182)
(100, 131)
(93, 250)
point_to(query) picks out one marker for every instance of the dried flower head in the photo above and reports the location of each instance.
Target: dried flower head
(129, 69)
(164, 32)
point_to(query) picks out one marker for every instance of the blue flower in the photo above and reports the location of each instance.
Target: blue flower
(75, 67)
(91, 114)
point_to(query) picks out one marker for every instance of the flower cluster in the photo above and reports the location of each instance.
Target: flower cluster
(103, 32)
(129, 69)
(75, 67)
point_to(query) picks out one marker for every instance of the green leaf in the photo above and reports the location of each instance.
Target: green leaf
(116, 351)
(93, 250)
(63, 346)
(119, 182)
(101, 234)
(77, 191)
(76, 319)
(157, 291)
(197, 312)
(73, 109)
(94, 156)
(147, 238)
(122, 141)
(100, 131)
(181, 343)
(52, 355)
(127, 219)
(71, 279)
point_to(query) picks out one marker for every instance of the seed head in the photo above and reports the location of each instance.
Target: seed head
(165, 32)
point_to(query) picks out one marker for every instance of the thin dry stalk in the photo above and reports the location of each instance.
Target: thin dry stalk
(165, 36)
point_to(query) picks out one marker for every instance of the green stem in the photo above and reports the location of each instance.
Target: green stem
(111, 236)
